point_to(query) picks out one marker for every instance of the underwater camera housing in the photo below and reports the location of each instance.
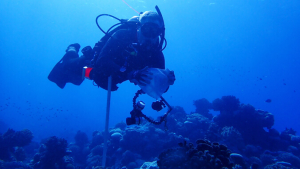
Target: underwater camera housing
(137, 114)
(158, 85)
(158, 105)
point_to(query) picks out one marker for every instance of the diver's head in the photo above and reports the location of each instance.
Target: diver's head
(151, 26)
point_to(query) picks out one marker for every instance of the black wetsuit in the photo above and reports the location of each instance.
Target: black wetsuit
(120, 56)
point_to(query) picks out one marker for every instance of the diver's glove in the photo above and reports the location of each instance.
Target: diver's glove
(73, 48)
(141, 77)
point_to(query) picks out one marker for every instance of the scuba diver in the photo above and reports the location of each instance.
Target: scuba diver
(124, 53)
(129, 50)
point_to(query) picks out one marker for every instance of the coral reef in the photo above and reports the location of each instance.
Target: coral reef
(267, 159)
(277, 166)
(175, 120)
(31, 149)
(246, 131)
(94, 161)
(129, 158)
(243, 119)
(3, 127)
(150, 138)
(192, 126)
(252, 151)
(238, 159)
(52, 154)
(202, 107)
(213, 133)
(97, 139)
(150, 165)
(227, 104)
(80, 150)
(14, 165)
(81, 139)
(12, 138)
(287, 134)
(20, 154)
(204, 155)
(121, 125)
(254, 162)
(11, 143)
(196, 126)
(290, 158)
(233, 138)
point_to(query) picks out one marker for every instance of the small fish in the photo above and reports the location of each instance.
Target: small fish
(268, 100)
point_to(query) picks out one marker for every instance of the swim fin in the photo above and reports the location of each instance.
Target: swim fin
(68, 69)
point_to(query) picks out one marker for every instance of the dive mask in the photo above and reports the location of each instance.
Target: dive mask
(151, 30)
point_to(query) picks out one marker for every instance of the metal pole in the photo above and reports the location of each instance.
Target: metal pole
(166, 102)
(106, 121)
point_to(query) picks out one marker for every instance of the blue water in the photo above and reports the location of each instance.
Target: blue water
(249, 49)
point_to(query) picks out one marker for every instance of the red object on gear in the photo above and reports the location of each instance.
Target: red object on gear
(87, 72)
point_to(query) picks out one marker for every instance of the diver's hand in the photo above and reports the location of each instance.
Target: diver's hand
(141, 77)
(171, 77)
(73, 48)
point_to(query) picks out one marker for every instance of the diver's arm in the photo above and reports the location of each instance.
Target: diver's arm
(159, 61)
(161, 64)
